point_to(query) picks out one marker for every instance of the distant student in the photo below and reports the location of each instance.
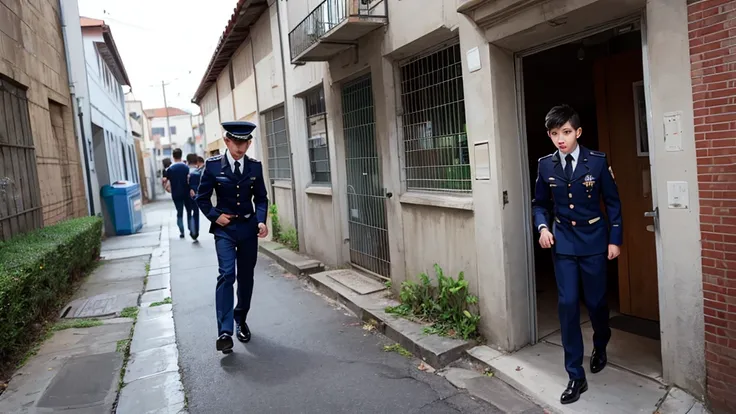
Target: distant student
(196, 164)
(178, 176)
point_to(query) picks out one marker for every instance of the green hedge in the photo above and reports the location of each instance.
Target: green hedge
(37, 270)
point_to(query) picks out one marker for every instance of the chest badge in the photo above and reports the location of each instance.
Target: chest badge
(589, 181)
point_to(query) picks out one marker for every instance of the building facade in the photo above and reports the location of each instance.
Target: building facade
(183, 131)
(393, 143)
(41, 178)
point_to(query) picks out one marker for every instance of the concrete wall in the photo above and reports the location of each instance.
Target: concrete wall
(208, 106)
(32, 54)
(265, 41)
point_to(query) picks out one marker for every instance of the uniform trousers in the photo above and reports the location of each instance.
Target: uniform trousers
(237, 252)
(569, 271)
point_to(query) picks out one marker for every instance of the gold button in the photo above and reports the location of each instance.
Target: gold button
(570, 195)
(590, 196)
(573, 223)
(572, 206)
(569, 185)
(237, 186)
(238, 203)
(237, 195)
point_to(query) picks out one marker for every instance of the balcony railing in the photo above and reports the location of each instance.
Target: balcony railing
(341, 22)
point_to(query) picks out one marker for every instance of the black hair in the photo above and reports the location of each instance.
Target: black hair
(177, 154)
(166, 162)
(559, 115)
(200, 160)
(191, 159)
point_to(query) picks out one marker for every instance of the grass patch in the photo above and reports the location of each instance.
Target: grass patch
(398, 349)
(447, 306)
(122, 346)
(166, 301)
(129, 312)
(282, 234)
(76, 324)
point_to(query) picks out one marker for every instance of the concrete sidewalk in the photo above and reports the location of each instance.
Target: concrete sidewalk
(78, 367)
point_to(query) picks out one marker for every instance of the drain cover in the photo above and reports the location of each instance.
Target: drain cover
(82, 382)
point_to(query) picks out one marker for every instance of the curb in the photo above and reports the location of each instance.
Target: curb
(437, 351)
(295, 263)
(152, 378)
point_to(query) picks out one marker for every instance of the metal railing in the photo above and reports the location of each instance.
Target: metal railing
(328, 15)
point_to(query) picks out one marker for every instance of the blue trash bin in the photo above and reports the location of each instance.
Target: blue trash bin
(123, 199)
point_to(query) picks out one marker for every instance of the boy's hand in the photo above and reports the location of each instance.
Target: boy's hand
(613, 251)
(262, 230)
(192, 193)
(546, 239)
(224, 219)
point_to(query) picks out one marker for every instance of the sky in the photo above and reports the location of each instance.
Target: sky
(163, 40)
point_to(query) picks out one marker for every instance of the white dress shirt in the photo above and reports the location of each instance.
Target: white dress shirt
(575, 154)
(232, 160)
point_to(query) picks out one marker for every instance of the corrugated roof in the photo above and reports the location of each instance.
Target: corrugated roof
(245, 14)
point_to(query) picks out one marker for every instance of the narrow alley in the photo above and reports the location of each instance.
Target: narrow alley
(306, 356)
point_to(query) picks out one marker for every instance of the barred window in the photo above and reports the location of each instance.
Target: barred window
(434, 131)
(20, 195)
(319, 154)
(279, 167)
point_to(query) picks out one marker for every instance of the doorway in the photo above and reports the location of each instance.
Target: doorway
(601, 77)
(367, 225)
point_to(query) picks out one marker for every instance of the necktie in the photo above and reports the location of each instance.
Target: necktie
(568, 166)
(237, 169)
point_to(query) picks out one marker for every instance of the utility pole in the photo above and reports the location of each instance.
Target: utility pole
(166, 106)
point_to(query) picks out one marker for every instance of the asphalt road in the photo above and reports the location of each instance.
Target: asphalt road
(306, 355)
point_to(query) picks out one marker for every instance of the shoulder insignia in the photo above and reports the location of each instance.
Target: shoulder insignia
(598, 154)
(545, 157)
(253, 160)
(610, 170)
(214, 158)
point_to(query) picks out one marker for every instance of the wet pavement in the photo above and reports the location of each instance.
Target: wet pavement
(306, 355)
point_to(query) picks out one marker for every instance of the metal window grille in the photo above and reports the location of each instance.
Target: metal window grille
(368, 225)
(20, 195)
(319, 153)
(279, 166)
(434, 132)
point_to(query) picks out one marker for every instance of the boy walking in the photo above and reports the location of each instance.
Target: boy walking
(178, 175)
(570, 185)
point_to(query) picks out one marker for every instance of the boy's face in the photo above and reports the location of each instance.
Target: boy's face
(565, 137)
(237, 147)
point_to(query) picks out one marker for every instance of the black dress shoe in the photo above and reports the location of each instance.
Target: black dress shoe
(573, 391)
(242, 332)
(225, 344)
(598, 361)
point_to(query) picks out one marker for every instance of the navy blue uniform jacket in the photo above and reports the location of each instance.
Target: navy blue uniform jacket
(236, 197)
(571, 209)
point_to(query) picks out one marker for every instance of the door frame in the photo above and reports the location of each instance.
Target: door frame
(640, 18)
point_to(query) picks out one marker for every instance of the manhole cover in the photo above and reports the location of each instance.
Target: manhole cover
(82, 382)
(357, 282)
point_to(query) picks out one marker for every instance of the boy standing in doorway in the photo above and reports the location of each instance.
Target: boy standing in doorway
(567, 213)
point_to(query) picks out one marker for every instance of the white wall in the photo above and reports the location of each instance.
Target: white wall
(107, 109)
(78, 78)
(184, 132)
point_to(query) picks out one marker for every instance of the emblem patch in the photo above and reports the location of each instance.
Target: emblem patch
(589, 181)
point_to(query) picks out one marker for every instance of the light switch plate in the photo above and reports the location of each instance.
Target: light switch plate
(678, 195)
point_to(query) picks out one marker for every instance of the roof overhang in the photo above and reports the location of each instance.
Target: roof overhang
(108, 50)
(246, 13)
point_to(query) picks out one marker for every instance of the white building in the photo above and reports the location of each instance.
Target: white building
(184, 131)
(98, 75)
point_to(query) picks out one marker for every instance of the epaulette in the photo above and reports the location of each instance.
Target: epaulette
(598, 154)
(214, 158)
(545, 157)
(253, 160)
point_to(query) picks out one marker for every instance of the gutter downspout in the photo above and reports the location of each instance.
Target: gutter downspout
(286, 119)
(77, 115)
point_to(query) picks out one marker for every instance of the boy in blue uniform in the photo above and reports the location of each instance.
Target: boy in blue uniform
(177, 175)
(238, 220)
(196, 164)
(567, 213)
